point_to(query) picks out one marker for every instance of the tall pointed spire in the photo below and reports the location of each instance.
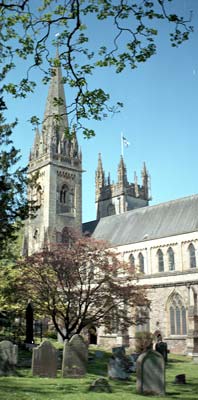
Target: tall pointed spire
(55, 116)
(54, 142)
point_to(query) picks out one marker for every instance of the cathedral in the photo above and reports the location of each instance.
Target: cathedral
(160, 241)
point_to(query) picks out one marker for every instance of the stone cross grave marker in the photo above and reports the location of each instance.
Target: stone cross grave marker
(75, 356)
(44, 360)
(8, 357)
(150, 373)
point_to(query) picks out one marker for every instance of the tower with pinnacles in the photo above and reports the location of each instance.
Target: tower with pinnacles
(117, 198)
(56, 161)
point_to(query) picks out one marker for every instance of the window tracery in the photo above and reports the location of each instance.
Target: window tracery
(141, 262)
(192, 256)
(171, 259)
(160, 256)
(177, 316)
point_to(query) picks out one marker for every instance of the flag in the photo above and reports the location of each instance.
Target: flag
(126, 143)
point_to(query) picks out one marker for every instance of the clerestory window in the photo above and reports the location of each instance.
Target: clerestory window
(160, 256)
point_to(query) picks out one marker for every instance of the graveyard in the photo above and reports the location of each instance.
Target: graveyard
(76, 384)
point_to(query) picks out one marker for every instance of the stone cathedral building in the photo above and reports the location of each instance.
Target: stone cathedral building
(161, 241)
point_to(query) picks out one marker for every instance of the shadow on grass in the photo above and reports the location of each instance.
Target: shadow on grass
(186, 391)
(176, 361)
(44, 391)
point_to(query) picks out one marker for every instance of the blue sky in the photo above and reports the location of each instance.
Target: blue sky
(159, 119)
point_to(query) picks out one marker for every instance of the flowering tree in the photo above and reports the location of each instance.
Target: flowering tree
(79, 284)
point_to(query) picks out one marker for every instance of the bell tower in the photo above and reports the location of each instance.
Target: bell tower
(56, 160)
(117, 198)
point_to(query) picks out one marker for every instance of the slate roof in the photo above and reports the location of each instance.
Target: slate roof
(89, 227)
(152, 222)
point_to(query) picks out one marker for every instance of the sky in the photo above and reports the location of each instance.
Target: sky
(159, 119)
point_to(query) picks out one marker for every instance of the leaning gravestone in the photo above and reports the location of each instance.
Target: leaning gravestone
(8, 357)
(75, 356)
(44, 360)
(150, 373)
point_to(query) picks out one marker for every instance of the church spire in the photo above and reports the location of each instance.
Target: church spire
(55, 116)
(53, 142)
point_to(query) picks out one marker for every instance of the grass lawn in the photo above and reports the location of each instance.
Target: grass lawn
(25, 387)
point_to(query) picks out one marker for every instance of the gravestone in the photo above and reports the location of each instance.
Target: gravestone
(119, 368)
(99, 354)
(120, 365)
(44, 360)
(150, 373)
(8, 357)
(132, 358)
(118, 351)
(75, 357)
(100, 385)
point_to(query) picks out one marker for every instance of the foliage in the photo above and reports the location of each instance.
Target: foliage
(76, 284)
(143, 341)
(27, 34)
(14, 207)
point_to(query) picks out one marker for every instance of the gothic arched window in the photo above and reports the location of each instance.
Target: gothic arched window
(63, 194)
(132, 260)
(171, 259)
(177, 316)
(67, 198)
(172, 320)
(141, 262)
(160, 260)
(192, 256)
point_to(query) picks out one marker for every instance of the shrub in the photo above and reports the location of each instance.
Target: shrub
(143, 341)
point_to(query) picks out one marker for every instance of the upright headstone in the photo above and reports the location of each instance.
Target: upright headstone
(150, 373)
(75, 356)
(44, 360)
(119, 368)
(118, 351)
(8, 357)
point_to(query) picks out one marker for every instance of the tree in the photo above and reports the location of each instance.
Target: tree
(28, 32)
(78, 284)
(14, 207)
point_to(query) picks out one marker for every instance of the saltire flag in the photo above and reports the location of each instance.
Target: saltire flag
(126, 143)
